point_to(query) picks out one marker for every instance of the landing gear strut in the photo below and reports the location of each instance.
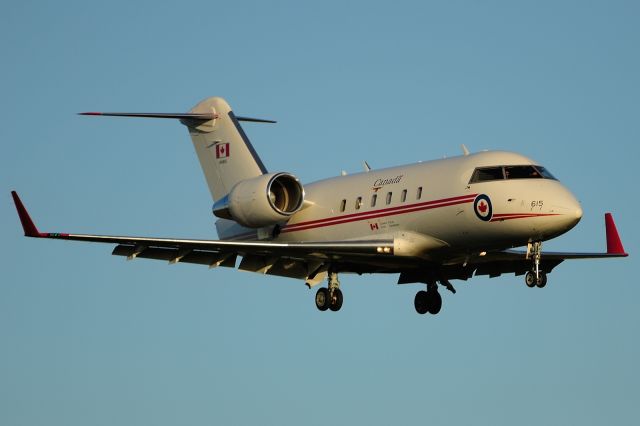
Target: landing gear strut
(330, 297)
(428, 301)
(536, 277)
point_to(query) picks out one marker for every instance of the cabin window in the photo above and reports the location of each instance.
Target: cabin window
(419, 193)
(374, 198)
(403, 196)
(358, 203)
(343, 205)
(389, 195)
(485, 174)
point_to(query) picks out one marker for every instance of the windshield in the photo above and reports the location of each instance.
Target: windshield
(486, 174)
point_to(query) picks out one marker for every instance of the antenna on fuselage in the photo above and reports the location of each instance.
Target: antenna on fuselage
(465, 151)
(367, 167)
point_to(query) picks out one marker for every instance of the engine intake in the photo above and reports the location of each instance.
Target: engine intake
(262, 201)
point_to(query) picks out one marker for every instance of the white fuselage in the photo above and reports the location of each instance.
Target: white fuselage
(436, 199)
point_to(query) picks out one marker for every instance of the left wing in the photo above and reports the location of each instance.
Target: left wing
(495, 263)
(516, 261)
(306, 260)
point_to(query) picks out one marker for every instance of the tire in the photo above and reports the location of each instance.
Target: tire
(336, 301)
(322, 299)
(542, 281)
(435, 302)
(421, 302)
(530, 279)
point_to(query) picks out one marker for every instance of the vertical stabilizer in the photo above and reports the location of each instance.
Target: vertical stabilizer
(225, 153)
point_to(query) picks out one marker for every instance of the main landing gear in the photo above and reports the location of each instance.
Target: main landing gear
(330, 297)
(536, 277)
(428, 301)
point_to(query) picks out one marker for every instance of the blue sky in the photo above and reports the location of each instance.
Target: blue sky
(89, 339)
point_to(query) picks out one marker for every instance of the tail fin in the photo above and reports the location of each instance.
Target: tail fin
(225, 153)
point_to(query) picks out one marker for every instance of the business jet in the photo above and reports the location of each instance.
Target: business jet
(430, 222)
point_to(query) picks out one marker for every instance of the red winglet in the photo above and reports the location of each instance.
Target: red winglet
(614, 244)
(29, 227)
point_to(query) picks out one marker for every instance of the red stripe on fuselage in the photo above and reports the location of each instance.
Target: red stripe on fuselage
(509, 216)
(391, 211)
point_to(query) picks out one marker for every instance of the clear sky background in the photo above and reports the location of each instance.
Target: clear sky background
(90, 339)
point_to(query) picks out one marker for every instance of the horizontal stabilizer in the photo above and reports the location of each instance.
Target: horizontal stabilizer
(209, 116)
(179, 116)
(255, 120)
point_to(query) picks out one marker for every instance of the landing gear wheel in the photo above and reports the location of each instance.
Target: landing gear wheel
(323, 299)
(336, 300)
(435, 302)
(542, 280)
(530, 279)
(421, 302)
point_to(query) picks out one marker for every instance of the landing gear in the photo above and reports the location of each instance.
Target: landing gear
(323, 300)
(336, 300)
(542, 280)
(421, 302)
(428, 301)
(536, 277)
(530, 279)
(330, 297)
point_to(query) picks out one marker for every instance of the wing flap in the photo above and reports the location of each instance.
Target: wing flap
(171, 255)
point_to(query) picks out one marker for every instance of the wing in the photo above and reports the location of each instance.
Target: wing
(304, 260)
(495, 263)
(517, 261)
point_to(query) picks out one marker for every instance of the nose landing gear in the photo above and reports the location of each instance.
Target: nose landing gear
(531, 280)
(535, 277)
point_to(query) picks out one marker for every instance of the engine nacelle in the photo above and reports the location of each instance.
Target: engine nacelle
(262, 201)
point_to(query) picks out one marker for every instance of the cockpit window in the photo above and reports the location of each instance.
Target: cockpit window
(545, 173)
(486, 174)
(521, 172)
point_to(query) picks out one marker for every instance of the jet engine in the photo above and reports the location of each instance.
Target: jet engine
(262, 201)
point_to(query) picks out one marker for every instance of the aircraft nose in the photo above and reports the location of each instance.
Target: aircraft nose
(573, 210)
(575, 207)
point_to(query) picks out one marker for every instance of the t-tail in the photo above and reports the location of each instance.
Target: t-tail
(225, 153)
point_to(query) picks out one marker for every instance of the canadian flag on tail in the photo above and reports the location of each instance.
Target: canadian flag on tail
(222, 150)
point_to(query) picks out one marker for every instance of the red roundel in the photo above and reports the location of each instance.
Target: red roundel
(482, 207)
